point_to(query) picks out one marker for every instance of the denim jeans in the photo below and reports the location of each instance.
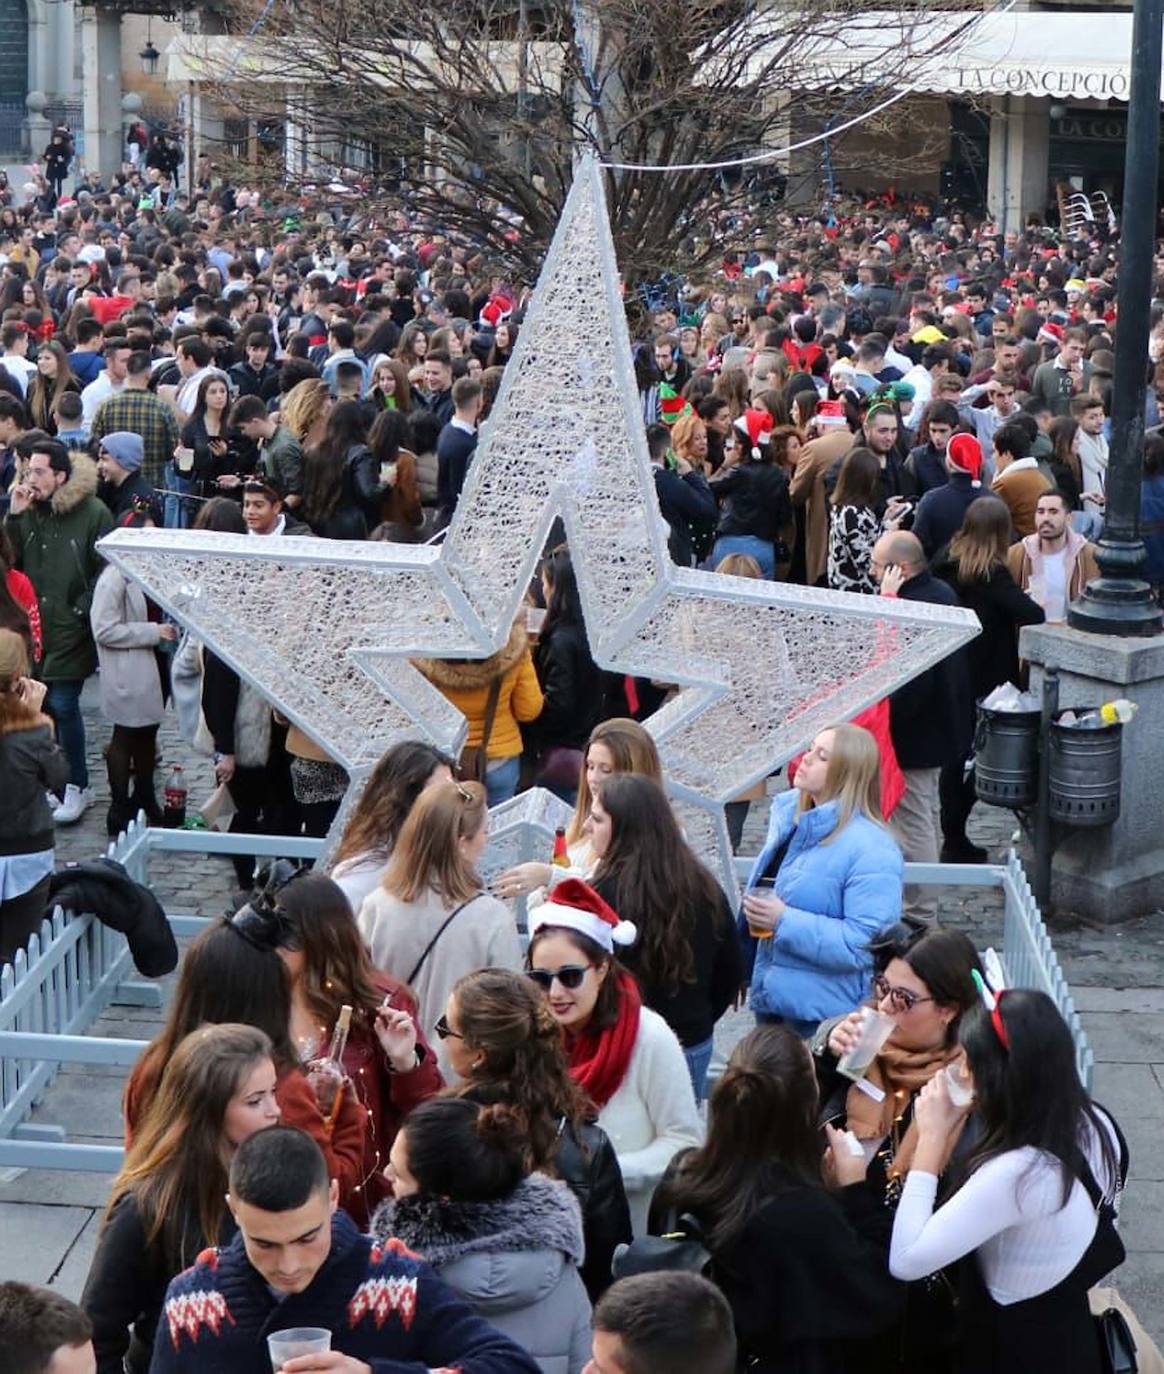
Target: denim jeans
(698, 1059)
(63, 702)
(759, 549)
(805, 1029)
(176, 511)
(501, 779)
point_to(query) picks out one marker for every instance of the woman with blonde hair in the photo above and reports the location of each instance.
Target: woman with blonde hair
(305, 411)
(618, 745)
(689, 440)
(828, 878)
(168, 1203)
(431, 920)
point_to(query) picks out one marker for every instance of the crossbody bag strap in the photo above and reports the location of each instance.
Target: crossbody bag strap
(490, 712)
(428, 949)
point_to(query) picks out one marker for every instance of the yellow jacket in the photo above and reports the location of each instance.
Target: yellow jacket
(466, 683)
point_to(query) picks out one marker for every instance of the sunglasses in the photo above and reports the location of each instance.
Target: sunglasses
(445, 1031)
(571, 976)
(900, 999)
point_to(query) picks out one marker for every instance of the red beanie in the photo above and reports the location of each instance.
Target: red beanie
(965, 453)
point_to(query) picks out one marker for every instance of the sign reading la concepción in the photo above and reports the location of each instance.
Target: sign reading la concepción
(1071, 81)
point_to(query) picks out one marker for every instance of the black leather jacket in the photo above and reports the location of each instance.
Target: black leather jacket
(588, 1164)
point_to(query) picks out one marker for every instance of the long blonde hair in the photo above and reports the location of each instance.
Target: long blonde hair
(633, 751)
(178, 1162)
(304, 407)
(853, 777)
(427, 854)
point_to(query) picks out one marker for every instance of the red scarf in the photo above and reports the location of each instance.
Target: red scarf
(599, 1059)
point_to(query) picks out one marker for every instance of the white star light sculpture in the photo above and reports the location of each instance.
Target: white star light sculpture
(325, 629)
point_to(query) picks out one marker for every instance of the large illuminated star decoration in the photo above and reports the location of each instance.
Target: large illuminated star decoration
(325, 629)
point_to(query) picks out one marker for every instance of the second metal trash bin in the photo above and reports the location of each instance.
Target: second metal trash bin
(1084, 772)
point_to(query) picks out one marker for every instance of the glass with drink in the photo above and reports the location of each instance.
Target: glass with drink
(764, 887)
(876, 1028)
(296, 1340)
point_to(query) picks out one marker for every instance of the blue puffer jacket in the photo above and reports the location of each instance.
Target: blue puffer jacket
(839, 895)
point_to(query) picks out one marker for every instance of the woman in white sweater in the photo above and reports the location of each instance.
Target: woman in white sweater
(431, 921)
(623, 1054)
(1032, 1220)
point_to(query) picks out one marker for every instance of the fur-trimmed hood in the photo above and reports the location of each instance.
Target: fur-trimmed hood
(17, 715)
(540, 1214)
(465, 674)
(81, 482)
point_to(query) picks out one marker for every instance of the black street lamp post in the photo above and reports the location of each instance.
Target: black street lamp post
(1119, 601)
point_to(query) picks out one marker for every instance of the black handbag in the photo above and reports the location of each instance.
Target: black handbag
(1117, 1346)
(679, 1250)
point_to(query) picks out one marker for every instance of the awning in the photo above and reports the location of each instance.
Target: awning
(1060, 56)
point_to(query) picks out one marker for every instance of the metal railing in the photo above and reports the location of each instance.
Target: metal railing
(76, 968)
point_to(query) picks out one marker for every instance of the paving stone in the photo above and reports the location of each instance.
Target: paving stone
(37, 1238)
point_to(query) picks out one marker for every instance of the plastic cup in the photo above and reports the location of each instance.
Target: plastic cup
(875, 1030)
(296, 1340)
(535, 618)
(756, 932)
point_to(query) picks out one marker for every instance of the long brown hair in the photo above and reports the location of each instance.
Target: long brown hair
(651, 877)
(336, 966)
(761, 1136)
(504, 1016)
(402, 393)
(178, 1156)
(43, 393)
(633, 751)
(980, 545)
(397, 780)
(224, 979)
(427, 854)
(858, 478)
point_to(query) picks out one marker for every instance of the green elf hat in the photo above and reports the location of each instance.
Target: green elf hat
(672, 406)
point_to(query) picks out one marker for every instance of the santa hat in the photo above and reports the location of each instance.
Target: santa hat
(574, 905)
(495, 309)
(1050, 332)
(831, 414)
(965, 453)
(672, 406)
(757, 425)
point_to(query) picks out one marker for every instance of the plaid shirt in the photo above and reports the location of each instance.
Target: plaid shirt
(140, 412)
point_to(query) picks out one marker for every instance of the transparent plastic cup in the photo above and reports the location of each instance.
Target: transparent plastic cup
(535, 618)
(296, 1340)
(876, 1028)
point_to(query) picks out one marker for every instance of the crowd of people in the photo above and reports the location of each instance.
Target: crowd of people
(890, 404)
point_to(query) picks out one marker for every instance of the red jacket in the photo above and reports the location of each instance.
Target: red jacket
(388, 1096)
(22, 592)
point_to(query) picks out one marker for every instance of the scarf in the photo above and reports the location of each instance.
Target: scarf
(599, 1059)
(900, 1074)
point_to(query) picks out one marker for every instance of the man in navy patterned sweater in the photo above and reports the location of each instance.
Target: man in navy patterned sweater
(297, 1261)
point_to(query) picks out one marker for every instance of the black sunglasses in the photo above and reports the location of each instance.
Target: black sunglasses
(570, 976)
(445, 1031)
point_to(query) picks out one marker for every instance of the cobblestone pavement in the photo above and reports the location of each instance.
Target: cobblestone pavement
(49, 1220)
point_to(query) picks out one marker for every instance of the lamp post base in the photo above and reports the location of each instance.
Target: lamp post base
(1117, 606)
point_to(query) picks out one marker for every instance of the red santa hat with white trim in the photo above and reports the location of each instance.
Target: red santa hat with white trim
(574, 905)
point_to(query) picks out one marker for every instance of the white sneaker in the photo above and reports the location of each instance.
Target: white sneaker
(76, 802)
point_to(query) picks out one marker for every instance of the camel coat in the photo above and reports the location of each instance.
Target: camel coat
(808, 489)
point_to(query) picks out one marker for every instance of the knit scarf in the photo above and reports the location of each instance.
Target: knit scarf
(900, 1074)
(599, 1059)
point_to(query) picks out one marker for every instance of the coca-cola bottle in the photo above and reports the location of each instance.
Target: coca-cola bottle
(174, 800)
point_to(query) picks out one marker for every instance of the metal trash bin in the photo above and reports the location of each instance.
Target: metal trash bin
(1084, 771)
(1006, 763)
